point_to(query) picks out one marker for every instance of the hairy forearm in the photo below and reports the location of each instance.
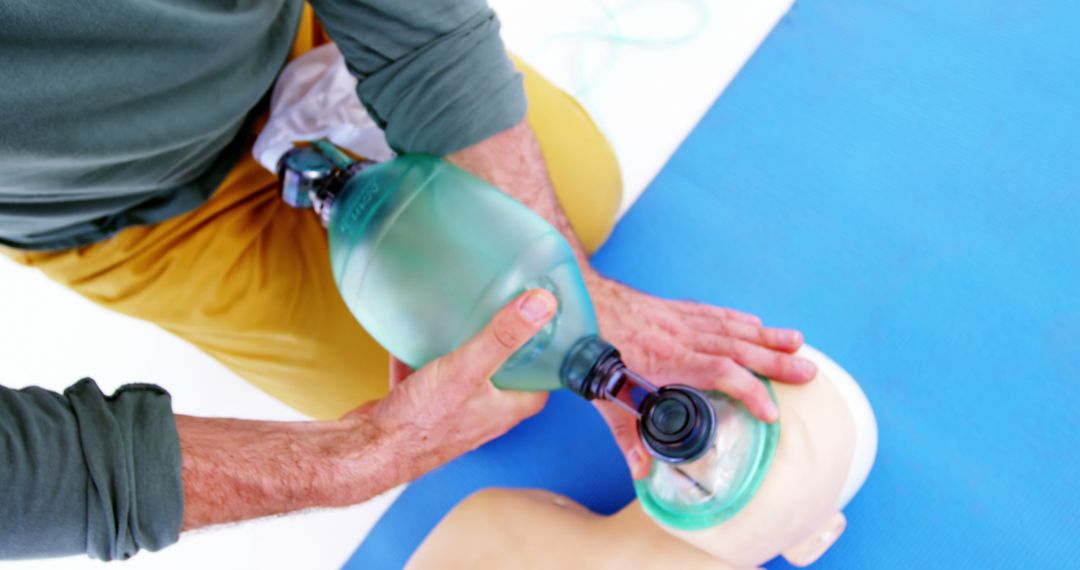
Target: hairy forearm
(235, 470)
(511, 160)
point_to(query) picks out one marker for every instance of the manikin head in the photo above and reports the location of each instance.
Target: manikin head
(828, 438)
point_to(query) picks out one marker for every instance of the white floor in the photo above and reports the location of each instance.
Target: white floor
(646, 69)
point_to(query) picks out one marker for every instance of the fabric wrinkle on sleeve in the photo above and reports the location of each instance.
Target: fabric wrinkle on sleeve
(433, 74)
(88, 473)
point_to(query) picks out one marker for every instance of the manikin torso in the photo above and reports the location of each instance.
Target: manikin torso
(827, 441)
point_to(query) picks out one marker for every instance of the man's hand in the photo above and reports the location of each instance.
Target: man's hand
(680, 342)
(236, 470)
(665, 341)
(450, 406)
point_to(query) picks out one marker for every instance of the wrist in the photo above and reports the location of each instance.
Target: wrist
(592, 277)
(600, 287)
(365, 459)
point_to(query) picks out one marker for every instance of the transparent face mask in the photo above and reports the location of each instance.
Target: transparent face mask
(712, 483)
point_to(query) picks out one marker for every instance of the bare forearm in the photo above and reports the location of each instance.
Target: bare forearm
(235, 470)
(511, 160)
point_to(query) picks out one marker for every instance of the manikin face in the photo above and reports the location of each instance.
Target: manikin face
(827, 442)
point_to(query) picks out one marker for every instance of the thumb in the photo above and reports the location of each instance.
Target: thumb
(624, 430)
(507, 331)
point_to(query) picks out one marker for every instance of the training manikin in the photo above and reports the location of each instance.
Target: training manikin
(826, 447)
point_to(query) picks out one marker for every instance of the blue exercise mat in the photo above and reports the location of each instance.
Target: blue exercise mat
(902, 182)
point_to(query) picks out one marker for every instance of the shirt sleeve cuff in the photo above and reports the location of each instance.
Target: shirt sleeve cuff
(135, 495)
(453, 92)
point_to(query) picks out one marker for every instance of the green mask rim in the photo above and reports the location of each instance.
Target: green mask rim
(768, 436)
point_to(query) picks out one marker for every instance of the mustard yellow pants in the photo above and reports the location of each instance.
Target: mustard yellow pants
(247, 279)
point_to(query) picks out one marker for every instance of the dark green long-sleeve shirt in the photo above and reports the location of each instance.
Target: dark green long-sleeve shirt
(83, 472)
(122, 112)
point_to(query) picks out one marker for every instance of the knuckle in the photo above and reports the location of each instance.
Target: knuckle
(756, 391)
(707, 344)
(722, 346)
(670, 326)
(741, 390)
(741, 351)
(735, 386)
(662, 349)
(725, 365)
(624, 431)
(507, 333)
(724, 325)
(506, 336)
(791, 367)
(695, 365)
(782, 363)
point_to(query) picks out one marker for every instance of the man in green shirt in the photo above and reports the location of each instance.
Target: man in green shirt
(125, 173)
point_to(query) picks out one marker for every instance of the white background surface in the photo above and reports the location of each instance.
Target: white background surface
(646, 96)
(650, 86)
